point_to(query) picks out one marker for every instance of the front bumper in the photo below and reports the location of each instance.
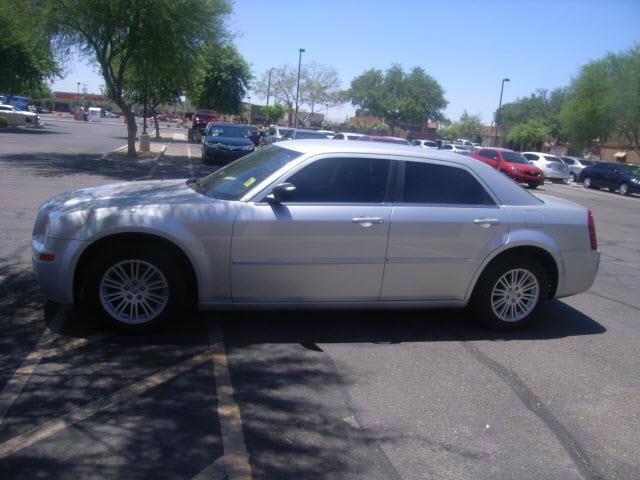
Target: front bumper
(579, 272)
(526, 178)
(55, 278)
(223, 154)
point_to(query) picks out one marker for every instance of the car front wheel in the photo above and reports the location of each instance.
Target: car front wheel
(135, 288)
(624, 189)
(510, 293)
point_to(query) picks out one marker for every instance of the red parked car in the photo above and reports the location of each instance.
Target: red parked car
(512, 164)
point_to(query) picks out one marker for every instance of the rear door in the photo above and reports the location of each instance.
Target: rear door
(443, 225)
(327, 243)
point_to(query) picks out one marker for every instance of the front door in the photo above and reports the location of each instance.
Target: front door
(327, 243)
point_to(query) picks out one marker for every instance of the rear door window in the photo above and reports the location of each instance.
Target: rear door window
(436, 184)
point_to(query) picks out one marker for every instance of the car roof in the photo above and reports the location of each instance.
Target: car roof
(313, 146)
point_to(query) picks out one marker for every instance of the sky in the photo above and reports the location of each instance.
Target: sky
(467, 46)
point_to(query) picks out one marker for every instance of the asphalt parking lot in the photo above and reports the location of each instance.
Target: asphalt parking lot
(290, 395)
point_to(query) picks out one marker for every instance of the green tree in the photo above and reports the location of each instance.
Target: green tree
(223, 79)
(319, 85)
(603, 101)
(529, 132)
(469, 127)
(132, 38)
(282, 88)
(273, 112)
(27, 60)
(402, 99)
(543, 105)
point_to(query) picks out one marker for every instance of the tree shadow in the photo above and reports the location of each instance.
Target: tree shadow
(54, 165)
(31, 131)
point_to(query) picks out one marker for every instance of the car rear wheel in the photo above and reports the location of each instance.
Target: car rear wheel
(135, 287)
(624, 189)
(587, 182)
(510, 293)
(574, 178)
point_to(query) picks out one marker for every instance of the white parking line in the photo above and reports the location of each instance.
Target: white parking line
(193, 170)
(79, 414)
(18, 380)
(235, 456)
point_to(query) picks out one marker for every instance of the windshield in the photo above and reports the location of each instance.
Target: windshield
(514, 158)
(227, 131)
(632, 169)
(237, 178)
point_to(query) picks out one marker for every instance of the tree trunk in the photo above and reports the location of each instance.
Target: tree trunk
(132, 129)
(155, 119)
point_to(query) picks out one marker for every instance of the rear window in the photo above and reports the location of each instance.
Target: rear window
(551, 158)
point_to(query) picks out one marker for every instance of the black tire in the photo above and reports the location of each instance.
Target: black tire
(587, 182)
(533, 185)
(624, 189)
(481, 302)
(145, 254)
(574, 177)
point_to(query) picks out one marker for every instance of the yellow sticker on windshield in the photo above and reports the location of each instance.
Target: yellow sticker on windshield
(250, 182)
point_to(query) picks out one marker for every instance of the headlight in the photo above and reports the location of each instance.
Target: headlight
(635, 180)
(515, 170)
(248, 147)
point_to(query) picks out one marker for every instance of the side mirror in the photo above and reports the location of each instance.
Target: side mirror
(281, 193)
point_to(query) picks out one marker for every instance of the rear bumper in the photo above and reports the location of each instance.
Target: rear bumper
(554, 175)
(580, 270)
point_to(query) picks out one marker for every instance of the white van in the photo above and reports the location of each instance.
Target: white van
(95, 114)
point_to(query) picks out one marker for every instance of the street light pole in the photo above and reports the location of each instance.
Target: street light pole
(269, 86)
(495, 137)
(295, 120)
(78, 94)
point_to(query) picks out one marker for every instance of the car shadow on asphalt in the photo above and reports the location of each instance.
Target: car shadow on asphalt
(31, 131)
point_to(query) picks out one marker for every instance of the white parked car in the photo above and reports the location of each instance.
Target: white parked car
(576, 165)
(350, 136)
(425, 143)
(553, 167)
(316, 224)
(461, 149)
(19, 117)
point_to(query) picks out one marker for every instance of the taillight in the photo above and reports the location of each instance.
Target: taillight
(592, 232)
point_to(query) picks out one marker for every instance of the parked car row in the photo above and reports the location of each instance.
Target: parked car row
(624, 178)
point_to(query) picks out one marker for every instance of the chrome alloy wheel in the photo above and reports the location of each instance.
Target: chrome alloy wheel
(515, 295)
(133, 291)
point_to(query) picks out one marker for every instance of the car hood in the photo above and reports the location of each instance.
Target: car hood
(128, 194)
(232, 141)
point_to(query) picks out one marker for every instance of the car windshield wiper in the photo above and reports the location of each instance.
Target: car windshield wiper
(196, 184)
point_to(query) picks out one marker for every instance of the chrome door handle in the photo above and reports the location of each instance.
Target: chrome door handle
(485, 222)
(367, 221)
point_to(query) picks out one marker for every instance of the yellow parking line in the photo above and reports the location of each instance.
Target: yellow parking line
(236, 458)
(79, 414)
(18, 380)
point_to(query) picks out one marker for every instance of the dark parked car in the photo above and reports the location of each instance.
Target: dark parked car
(615, 176)
(225, 142)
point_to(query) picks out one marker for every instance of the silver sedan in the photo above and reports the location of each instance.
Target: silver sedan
(316, 224)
